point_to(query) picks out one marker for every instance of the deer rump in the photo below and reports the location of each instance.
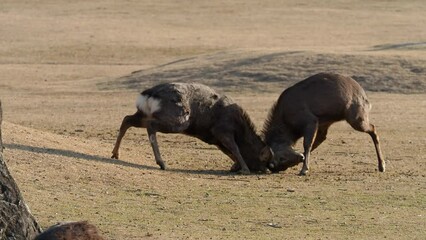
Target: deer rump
(197, 110)
(307, 109)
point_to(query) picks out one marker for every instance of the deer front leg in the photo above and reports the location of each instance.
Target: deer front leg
(228, 142)
(236, 166)
(308, 138)
(239, 164)
(135, 120)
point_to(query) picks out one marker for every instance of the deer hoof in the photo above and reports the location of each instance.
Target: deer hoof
(303, 172)
(244, 171)
(162, 165)
(114, 156)
(235, 167)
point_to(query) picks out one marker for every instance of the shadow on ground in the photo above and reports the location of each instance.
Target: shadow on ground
(265, 72)
(74, 154)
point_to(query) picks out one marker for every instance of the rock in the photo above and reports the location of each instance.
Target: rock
(16, 220)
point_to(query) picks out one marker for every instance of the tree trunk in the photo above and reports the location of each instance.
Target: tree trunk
(16, 221)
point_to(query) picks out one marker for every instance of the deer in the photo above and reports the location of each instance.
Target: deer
(307, 109)
(82, 230)
(199, 111)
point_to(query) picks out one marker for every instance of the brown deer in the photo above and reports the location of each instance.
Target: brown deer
(307, 110)
(197, 110)
(71, 231)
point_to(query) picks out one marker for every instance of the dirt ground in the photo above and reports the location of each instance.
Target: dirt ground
(70, 71)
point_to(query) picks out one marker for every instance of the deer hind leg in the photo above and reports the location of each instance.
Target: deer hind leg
(361, 123)
(373, 134)
(321, 136)
(309, 135)
(135, 120)
(153, 140)
(164, 125)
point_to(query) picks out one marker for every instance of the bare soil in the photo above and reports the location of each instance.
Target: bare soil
(70, 71)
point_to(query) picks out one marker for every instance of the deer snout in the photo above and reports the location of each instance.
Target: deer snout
(285, 159)
(274, 164)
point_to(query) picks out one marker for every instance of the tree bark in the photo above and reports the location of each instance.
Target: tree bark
(16, 220)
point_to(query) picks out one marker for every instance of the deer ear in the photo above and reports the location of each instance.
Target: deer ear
(266, 154)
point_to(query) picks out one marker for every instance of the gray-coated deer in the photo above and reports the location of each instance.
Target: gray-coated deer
(307, 109)
(197, 110)
(71, 231)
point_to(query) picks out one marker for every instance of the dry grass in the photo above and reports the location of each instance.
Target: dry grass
(66, 82)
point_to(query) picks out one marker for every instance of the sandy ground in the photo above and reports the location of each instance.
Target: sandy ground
(69, 73)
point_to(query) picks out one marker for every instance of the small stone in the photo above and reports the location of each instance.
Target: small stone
(274, 225)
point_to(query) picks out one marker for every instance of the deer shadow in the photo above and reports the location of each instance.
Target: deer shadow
(88, 157)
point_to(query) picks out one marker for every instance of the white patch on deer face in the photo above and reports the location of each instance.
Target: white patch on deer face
(148, 105)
